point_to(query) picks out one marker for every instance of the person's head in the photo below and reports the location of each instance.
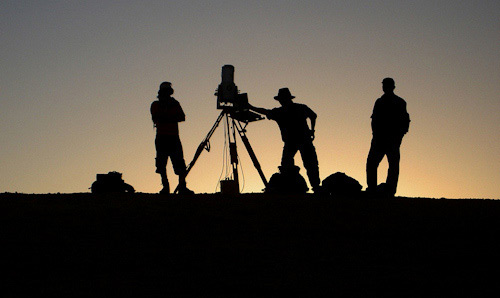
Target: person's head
(284, 96)
(388, 85)
(165, 90)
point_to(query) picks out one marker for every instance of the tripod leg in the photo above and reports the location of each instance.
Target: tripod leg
(231, 133)
(203, 145)
(255, 161)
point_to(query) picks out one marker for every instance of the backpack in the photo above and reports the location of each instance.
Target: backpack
(341, 185)
(287, 181)
(110, 182)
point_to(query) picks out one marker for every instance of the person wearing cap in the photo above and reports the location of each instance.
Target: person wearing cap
(166, 113)
(295, 133)
(390, 122)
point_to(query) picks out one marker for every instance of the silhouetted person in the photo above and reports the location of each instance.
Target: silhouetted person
(390, 122)
(166, 113)
(295, 133)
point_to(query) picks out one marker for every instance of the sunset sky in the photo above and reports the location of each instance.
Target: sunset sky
(77, 79)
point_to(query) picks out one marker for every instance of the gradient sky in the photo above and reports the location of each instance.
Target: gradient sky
(78, 78)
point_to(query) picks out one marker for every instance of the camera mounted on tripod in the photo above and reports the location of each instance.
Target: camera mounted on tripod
(231, 100)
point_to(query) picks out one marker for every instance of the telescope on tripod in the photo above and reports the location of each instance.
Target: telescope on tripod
(236, 116)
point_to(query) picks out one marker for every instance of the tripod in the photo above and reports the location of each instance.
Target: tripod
(234, 125)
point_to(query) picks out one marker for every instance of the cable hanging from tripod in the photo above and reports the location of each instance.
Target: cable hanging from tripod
(228, 156)
(242, 174)
(224, 158)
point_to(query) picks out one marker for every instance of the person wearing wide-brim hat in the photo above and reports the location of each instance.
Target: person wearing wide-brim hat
(295, 133)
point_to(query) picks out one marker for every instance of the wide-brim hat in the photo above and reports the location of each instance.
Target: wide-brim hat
(284, 93)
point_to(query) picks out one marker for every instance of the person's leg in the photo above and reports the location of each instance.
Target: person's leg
(179, 166)
(287, 159)
(161, 168)
(310, 160)
(161, 163)
(375, 156)
(393, 157)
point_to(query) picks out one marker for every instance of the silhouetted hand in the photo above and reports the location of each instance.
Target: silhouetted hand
(312, 135)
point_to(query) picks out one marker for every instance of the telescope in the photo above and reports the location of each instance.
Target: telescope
(234, 112)
(230, 100)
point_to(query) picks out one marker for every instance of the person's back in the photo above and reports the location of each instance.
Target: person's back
(390, 118)
(292, 121)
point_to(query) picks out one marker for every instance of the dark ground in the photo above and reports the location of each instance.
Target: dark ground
(143, 245)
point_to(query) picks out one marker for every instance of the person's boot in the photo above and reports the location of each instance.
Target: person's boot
(319, 190)
(183, 190)
(371, 192)
(166, 187)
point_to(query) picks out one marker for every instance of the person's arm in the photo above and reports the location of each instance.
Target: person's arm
(375, 121)
(154, 113)
(313, 126)
(312, 117)
(405, 119)
(180, 116)
(259, 110)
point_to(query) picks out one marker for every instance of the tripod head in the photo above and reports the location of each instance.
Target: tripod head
(231, 101)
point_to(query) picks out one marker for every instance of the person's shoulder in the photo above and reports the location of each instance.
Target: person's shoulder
(155, 104)
(301, 106)
(389, 98)
(171, 101)
(275, 110)
(398, 97)
(175, 102)
(379, 103)
(399, 100)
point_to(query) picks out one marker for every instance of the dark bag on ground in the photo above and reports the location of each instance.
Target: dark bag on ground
(341, 185)
(110, 182)
(287, 181)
